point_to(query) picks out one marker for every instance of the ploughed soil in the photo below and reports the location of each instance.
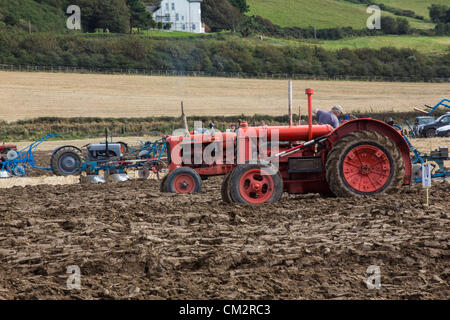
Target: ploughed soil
(133, 242)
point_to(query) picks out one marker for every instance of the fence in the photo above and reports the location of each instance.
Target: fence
(282, 76)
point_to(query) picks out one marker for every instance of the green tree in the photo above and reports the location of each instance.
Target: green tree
(438, 13)
(402, 26)
(114, 16)
(388, 25)
(221, 15)
(104, 14)
(11, 18)
(139, 16)
(240, 4)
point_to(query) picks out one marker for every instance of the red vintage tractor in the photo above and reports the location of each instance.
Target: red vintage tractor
(360, 157)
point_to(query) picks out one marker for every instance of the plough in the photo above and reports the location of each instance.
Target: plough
(443, 102)
(436, 159)
(17, 162)
(113, 159)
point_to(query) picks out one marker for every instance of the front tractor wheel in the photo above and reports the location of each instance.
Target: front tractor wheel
(182, 180)
(254, 184)
(364, 163)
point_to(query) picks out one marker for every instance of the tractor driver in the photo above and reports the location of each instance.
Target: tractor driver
(331, 117)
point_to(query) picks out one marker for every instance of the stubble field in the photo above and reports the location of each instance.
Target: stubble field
(30, 95)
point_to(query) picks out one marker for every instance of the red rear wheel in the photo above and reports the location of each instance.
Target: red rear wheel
(364, 163)
(366, 168)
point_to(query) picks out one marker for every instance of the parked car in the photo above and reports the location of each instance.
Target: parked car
(429, 130)
(443, 131)
(420, 121)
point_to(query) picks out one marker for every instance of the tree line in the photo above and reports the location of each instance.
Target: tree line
(215, 54)
(119, 16)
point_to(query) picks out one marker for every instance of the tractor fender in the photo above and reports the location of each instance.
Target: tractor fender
(60, 147)
(67, 145)
(368, 124)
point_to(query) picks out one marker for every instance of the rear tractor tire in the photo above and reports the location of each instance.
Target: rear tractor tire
(364, 163)
(182, 180)
(253, 184)
(66, 161)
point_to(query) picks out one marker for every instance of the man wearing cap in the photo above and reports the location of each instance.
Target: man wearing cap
(232, 128)
(331, 118)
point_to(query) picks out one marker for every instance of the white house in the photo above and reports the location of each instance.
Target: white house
(184, 15)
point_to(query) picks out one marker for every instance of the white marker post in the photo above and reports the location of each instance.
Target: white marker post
(426, 180)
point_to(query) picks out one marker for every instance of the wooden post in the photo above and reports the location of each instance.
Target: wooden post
(426, 180)
(290, 103)
(183, 118)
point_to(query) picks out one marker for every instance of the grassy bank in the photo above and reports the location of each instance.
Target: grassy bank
(426, 45)
(82, 128)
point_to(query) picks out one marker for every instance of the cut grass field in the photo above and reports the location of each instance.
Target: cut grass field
(426, 45)
(31, 95)
(320, 13)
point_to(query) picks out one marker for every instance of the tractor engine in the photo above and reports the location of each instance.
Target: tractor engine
(103, 152)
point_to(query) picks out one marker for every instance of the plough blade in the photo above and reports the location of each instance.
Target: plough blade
(119, 177)
(4, 174)
(93, 179)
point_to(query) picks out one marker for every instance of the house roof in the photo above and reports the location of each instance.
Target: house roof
(152, 8)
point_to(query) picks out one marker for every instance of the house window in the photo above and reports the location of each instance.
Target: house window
(167, 6)
(193, 26)
(167, 18)
(173, 6)
(177, 17)
(182, 18)
(184, 26)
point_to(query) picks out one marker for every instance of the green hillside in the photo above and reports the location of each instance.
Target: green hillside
(43, 17)
(420, 7)
(325, 13)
